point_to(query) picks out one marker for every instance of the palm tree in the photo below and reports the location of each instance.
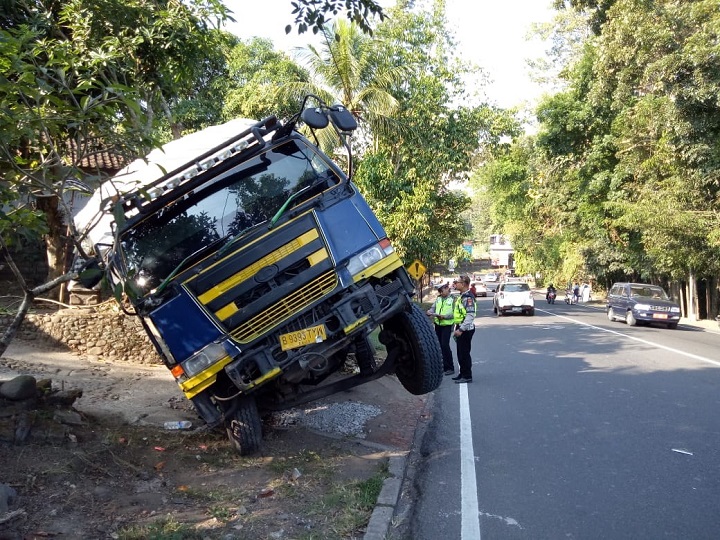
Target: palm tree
(349, 69)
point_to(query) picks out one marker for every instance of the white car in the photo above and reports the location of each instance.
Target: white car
(513, 298)
(480, 288)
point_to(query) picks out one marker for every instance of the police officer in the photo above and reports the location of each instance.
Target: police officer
(443, 317)
(464, 319)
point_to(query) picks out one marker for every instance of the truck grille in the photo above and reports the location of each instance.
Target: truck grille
(283, 309)
(261, 285)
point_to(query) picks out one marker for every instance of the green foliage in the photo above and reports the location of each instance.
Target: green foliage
(19, 225)
(85, 77)
(411, 164)
(262, 82)
(309, 16)
(350, 69)
(622, 179)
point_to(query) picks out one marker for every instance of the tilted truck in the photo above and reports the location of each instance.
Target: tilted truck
(257, 267)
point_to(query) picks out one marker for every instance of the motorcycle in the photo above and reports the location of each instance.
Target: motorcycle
(550, 297)
(570, 297)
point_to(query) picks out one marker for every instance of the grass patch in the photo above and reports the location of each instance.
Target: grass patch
(222, 513)
(347, 507)
(304, 458)
(163, 529)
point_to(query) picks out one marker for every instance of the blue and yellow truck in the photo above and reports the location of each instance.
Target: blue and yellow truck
(257, 269)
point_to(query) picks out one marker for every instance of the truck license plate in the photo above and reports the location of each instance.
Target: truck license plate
(293, 340)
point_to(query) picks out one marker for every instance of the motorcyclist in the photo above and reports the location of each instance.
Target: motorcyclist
(550, 289)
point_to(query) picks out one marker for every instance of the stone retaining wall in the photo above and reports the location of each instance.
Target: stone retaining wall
(100, 332)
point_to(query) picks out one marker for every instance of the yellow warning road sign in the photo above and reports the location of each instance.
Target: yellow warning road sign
(416, 269)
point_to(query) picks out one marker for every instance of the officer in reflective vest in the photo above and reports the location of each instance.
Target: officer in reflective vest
(464, 319)
(443, 315)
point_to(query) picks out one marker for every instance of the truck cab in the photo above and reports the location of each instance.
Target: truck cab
(257, 269)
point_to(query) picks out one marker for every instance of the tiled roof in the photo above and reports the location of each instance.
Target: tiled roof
(97, 156)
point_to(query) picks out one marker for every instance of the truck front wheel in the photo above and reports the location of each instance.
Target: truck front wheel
(419, 361)
(244, 427)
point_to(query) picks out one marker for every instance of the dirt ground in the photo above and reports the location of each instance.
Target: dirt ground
(104, 466)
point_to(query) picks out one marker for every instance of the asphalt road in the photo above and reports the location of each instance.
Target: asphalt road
(575, 427)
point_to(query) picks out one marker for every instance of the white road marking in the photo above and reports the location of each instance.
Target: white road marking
(643, 341)
(470, 516)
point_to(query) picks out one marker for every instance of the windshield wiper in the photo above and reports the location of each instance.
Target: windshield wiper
(290, 199)
(319, 180)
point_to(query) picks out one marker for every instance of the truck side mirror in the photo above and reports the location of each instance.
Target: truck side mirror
(315, 118)
(342, 119)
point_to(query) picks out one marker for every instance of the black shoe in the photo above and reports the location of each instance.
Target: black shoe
(462, 380)
(457, 378)
(449, 372)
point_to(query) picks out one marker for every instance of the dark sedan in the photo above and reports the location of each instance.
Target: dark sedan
(642, 302)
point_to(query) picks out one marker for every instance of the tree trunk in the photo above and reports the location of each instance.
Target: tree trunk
(692, 297)
(56, 242)
(683, 304)
(712, 297)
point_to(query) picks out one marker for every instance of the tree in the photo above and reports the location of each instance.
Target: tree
(410, 174)
(201, 104)
(262, 81)
(72, 85)
(627, 155)
(346, 69)
(598, 10)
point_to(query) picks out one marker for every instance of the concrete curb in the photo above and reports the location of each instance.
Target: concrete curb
(390, 506)
(384, 510)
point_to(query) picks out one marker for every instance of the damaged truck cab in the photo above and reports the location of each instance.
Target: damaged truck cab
(257, 267)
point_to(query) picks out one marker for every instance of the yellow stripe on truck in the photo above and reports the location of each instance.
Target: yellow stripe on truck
(194, 385)
(249, 271)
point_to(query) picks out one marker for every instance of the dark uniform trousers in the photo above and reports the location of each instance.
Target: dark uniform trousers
(443, 334)
(463, 353)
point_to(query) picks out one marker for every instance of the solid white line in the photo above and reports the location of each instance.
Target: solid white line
(470, 513)
(643, 341)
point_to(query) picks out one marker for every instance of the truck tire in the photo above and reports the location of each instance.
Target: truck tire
(244, 427)
(419, 364)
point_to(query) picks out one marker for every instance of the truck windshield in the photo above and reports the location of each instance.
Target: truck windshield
(234, 202)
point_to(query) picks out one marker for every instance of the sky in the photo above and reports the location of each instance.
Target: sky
(490, 33)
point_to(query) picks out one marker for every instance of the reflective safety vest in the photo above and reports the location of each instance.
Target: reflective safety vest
(459, 309)
(444, 306)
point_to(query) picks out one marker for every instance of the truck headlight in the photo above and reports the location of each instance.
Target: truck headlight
(202, 360)
(370, 256)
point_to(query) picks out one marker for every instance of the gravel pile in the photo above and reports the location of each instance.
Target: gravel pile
(347, 418)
